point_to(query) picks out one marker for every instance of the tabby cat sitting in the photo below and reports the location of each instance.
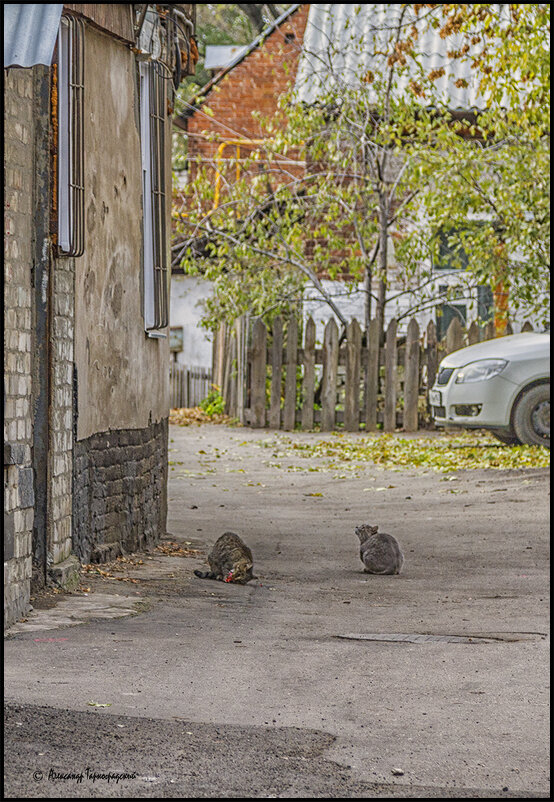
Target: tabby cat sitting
(379, 552)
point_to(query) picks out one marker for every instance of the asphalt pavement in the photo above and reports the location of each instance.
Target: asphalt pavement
(315, 680)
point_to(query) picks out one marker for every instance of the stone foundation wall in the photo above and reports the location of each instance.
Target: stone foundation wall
(61, 415)
(119, 492)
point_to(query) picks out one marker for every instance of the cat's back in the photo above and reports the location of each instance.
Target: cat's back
(381, 554)
(230, 546)
(228, 541)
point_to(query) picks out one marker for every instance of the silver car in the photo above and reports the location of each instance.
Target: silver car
(502, 385)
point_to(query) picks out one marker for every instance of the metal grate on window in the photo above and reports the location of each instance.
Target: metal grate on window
(158, 106)
(153, 115)
(71, 190)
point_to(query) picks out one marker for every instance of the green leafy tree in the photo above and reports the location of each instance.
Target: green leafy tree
(378, 156)
(499, 175)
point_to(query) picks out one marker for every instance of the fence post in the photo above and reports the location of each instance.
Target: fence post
(372, 376)
(308, 380)
(258, 374)
(289, 410)
(352, 390)
(488, 331)
(431, 354)
(240, 328)
(411, 377)
(187, 387)
(230, 390)
(473, 333)
(226, 366)
(329, 380)
(454, 336)
(218, 356)
(389, 424)
(276, 369)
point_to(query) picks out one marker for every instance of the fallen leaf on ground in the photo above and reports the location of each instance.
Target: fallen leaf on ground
(176, 550)
(188, 416)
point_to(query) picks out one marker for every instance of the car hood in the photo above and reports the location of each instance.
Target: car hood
(513, 347)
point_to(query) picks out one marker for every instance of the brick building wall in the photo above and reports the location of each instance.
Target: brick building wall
(120, 492)
(101, 490)
(253, 85)
(18, 473)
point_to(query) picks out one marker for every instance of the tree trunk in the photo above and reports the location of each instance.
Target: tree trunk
(367, 287)
(382, 290)
(254, 13)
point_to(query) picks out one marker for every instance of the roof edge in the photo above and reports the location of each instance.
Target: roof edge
(180, 120)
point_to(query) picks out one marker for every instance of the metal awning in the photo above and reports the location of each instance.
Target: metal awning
(30, 31)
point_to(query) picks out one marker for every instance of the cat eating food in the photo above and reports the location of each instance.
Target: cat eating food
(379, 552)
(230, 560)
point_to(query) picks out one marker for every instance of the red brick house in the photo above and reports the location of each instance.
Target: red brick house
(252, 82)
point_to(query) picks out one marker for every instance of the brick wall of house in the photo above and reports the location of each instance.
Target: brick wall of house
(18, 472)
(255, 84)
(26, 110)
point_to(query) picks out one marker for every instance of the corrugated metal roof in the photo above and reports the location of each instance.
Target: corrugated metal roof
(30, 31)
(343, 41)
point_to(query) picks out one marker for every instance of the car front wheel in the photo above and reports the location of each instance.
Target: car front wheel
(532, 416)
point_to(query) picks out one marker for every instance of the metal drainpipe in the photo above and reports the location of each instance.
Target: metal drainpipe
(189, 23)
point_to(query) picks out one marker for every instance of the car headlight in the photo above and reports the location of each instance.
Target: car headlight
(480, 371)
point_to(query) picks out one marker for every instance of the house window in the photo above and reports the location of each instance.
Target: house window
(70, 172)
(446, 312)
(451, 252)
(152, 123)
(485, 303)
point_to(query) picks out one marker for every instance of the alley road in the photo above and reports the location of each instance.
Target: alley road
(316, 680)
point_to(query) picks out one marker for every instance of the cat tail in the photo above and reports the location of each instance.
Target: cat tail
(205, 574)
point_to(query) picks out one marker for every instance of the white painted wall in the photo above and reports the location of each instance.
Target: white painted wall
(352, 306)
(189, 292)
(187, 295)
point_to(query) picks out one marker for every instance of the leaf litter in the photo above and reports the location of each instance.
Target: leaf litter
(444, 453)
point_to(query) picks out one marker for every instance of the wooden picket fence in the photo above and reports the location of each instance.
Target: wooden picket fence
(188, 386)
(274, 378)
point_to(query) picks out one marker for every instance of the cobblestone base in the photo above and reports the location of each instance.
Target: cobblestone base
(119, 492)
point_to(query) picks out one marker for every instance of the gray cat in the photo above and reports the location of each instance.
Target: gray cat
(230, 560)
(379, 552)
